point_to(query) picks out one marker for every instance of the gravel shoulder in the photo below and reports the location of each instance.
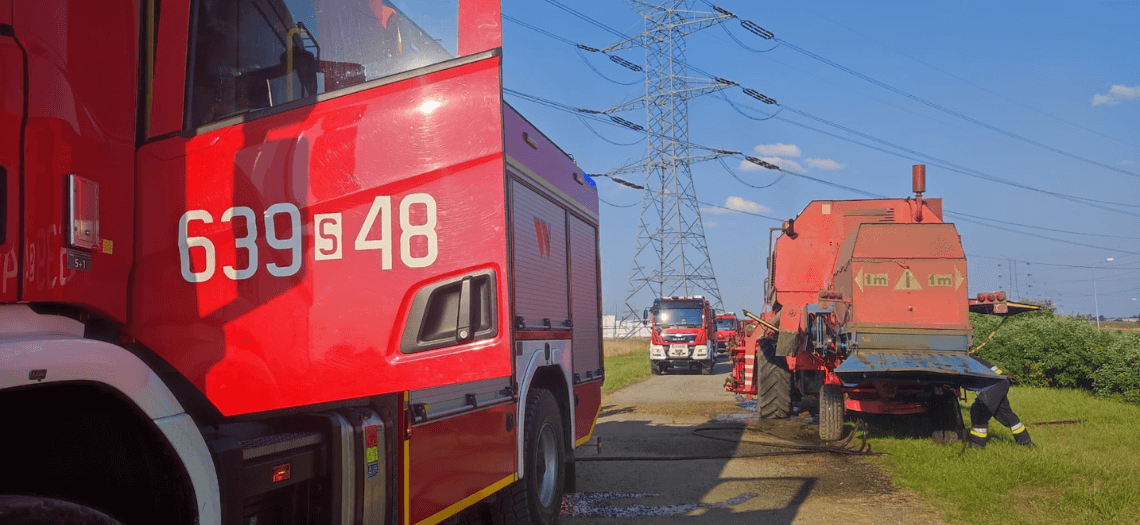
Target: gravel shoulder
(690, 415)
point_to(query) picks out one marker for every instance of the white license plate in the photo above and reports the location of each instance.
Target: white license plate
(679, 350)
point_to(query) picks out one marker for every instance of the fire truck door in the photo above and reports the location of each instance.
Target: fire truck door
(11, 122)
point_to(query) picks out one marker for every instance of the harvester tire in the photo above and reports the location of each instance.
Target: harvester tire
(774, 383)
(537, 498)
(830, 412)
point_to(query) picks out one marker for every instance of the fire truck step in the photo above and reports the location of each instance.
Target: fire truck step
(269, 445)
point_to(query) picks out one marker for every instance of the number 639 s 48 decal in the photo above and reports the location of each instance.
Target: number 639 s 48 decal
(327, 237)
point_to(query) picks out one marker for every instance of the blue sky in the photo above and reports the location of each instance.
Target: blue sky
(1063, 75)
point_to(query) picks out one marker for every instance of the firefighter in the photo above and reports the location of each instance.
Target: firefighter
(992, 402)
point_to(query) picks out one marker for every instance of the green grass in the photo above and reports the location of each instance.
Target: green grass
(627, 368)
(1079, 473)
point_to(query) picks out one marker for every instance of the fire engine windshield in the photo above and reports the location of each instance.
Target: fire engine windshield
(726, 324)
(253, 54)
(679, 317)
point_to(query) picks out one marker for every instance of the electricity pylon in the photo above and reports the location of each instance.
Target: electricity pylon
(671, 256)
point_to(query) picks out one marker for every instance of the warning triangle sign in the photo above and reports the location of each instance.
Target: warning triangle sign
(907, 281)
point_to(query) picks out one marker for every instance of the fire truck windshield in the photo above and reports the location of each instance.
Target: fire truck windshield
(726, 324)
(679, 317)
(254, 54)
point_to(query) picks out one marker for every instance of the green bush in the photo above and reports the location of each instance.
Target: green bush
(1042, 349)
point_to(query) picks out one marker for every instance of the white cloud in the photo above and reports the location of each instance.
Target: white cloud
(709, 224)
(1116, 94)
(778, 149)
(734, 203)
(824, 164)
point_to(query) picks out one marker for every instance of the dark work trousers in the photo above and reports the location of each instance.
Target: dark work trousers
(992, 402)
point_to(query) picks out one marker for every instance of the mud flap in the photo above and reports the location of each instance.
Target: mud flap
(786, 343)
(956, 368)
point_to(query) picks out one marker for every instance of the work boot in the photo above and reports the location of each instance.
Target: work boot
(976, 438)
(1021, 435)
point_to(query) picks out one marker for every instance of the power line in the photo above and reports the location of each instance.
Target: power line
(702, 203)
(942, 108)
(956, 77)
(987, 222)
(918, 156)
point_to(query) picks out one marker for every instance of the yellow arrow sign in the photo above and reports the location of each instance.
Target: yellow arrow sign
(907, 281)
(958, 279)
(859, 279)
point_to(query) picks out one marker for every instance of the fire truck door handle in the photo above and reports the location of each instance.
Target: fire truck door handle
(463, 332)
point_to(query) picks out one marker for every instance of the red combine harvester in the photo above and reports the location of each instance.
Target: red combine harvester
(866, 307)
(285, 263)
(727, 326)
(682, 334)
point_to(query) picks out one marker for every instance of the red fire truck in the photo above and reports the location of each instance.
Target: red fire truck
(682, 334)
(727, 326)
(285, 262)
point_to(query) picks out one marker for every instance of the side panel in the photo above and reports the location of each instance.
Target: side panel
(280, 256)
(588, 398)
(587, 339)
(459, 459)
(11, 120)
(539, 258)
(82, 95)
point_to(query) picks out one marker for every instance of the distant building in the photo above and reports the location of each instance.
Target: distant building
(614, 329)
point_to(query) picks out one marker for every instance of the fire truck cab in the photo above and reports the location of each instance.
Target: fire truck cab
(727, 326)
(682, 334)
(283, 262)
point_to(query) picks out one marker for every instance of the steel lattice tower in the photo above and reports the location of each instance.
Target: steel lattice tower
(671, 256)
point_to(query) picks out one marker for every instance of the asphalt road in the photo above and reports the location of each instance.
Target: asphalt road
(636, 475)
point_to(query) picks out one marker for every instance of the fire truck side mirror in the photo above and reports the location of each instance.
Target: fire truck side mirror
(645, 316)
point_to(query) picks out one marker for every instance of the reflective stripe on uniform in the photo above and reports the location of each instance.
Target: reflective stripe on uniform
(1018, 428)
(979, 432)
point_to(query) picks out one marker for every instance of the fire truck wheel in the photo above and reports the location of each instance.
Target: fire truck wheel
(29, 510)
(707, 368)
(656, 369)
(537, 498)
(774, 388)
(830, 412)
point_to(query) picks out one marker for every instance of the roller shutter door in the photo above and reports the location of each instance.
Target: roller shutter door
(539, 253)
(587, 344)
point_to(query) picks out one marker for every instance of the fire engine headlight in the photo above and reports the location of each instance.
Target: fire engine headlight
(656, 352)
(700, 351)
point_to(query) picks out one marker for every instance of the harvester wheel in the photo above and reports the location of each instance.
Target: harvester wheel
(774, 383)
(830, 412)
(945, 416)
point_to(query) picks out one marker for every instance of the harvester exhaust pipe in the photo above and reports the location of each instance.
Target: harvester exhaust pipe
(918, 184)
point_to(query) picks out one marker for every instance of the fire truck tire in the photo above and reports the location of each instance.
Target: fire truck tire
(656, 369)
(29, 510)
(537, 498)
(774, 388)
(707, 368)
(830, 412)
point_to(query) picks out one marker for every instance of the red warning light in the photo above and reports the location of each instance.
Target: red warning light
(281, 472)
